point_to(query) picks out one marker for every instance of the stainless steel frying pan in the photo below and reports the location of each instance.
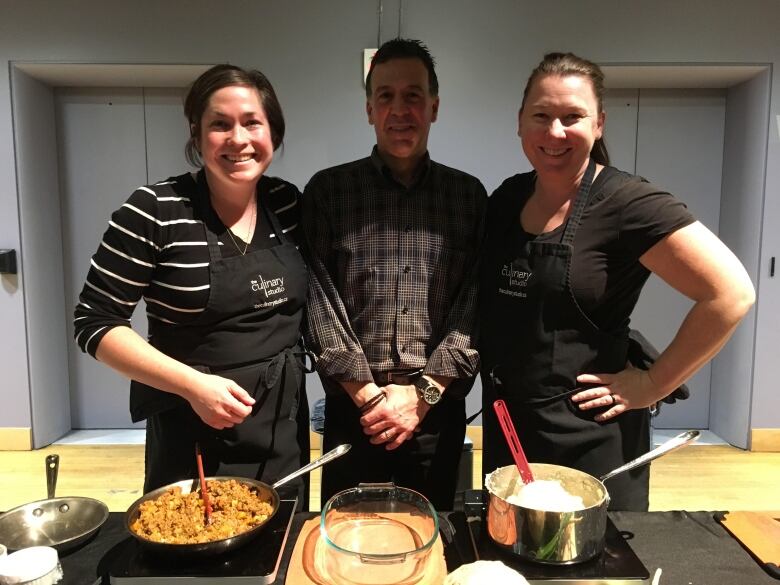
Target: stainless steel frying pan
(187, 486)
(62, 523)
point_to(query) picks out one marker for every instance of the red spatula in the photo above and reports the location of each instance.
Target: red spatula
(514, 443)
(204, 492)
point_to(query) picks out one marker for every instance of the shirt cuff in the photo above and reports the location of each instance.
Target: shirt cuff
(452, 362)
(344, 365)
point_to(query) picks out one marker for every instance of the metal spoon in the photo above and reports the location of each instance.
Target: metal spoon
(320, 461)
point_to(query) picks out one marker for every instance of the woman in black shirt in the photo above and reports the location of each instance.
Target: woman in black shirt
(569, 247)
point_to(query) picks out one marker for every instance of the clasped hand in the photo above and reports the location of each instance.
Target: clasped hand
(396, 418)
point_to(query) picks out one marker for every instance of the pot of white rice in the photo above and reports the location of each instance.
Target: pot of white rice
(560, 518)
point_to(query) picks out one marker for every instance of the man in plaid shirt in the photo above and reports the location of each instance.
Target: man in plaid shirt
(393, 242)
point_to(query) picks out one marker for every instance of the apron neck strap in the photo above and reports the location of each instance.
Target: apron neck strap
(208, 214)
(273, 220)
(580, 203)
(207, 211)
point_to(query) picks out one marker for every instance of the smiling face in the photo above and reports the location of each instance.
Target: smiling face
(401, 109)
(235, 138)
(559, 123)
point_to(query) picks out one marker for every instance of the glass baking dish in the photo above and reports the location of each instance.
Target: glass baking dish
(377, 534)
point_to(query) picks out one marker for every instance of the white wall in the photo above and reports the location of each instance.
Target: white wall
(311, 51)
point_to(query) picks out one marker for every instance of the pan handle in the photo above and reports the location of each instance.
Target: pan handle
(674, 443)
(52, 467)
(329, 456)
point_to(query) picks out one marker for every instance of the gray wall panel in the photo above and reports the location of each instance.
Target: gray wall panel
(689, 168)
(102, 160)
(621, 107)
(39, 208)
(166, 133)
(741, 213)
(312, 52)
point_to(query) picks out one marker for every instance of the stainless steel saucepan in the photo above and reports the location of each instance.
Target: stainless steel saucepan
(264, 490)
(559, 538)
(62, 523)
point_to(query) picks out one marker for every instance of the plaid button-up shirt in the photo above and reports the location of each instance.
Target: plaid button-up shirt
(393, 270)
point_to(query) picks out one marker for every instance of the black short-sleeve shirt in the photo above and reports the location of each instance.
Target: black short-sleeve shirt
(625, 217)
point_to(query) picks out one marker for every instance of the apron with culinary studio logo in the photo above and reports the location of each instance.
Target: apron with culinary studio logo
(535, 342)
(249, 332)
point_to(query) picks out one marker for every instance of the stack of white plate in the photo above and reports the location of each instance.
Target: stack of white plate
(37, 565)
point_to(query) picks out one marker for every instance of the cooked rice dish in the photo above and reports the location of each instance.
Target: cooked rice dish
(544, 494)
(176, 518)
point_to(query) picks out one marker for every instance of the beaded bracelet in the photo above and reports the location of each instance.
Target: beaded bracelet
(376, 399)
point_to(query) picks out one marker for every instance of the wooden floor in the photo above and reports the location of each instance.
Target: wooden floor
(700, 477)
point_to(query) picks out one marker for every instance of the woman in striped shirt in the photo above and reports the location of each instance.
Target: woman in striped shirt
(214, 254)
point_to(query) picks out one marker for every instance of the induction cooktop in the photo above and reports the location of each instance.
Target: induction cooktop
(616, 565)
(255, 562)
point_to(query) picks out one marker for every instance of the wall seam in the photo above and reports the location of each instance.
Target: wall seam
(760, 258)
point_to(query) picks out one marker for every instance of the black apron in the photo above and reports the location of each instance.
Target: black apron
(536, 341)
(249, 333)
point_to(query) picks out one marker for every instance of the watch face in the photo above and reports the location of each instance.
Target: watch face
(427, 391)
(431, 394)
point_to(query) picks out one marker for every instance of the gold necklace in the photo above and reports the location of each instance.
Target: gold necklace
(248, 234)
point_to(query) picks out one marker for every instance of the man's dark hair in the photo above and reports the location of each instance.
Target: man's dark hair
(405, 49)
(219, 77)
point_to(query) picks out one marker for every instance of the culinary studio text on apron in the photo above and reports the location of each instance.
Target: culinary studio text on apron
(536, 342)
(249, 333)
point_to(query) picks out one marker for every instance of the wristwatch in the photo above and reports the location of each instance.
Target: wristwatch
(427, 390)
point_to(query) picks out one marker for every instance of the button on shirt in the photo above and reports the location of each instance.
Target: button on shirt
(393, 269)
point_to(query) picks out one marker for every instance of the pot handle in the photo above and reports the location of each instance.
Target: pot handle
(52, 467)
(675, 443)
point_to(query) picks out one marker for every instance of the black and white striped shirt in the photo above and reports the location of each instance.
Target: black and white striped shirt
(155, 247)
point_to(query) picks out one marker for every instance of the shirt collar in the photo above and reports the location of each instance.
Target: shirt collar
(425, 176)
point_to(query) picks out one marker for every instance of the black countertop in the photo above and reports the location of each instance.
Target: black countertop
(691, 548)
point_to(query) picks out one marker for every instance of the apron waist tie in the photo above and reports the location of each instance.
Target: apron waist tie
(541, 401)
(290, 361)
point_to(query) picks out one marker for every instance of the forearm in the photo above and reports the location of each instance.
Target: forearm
(456, 355)
(327, 329)
(129, 354)
(360, 392)
(696, 263)
(705, 330)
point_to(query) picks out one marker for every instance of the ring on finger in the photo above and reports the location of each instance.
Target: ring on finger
(614, 401)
